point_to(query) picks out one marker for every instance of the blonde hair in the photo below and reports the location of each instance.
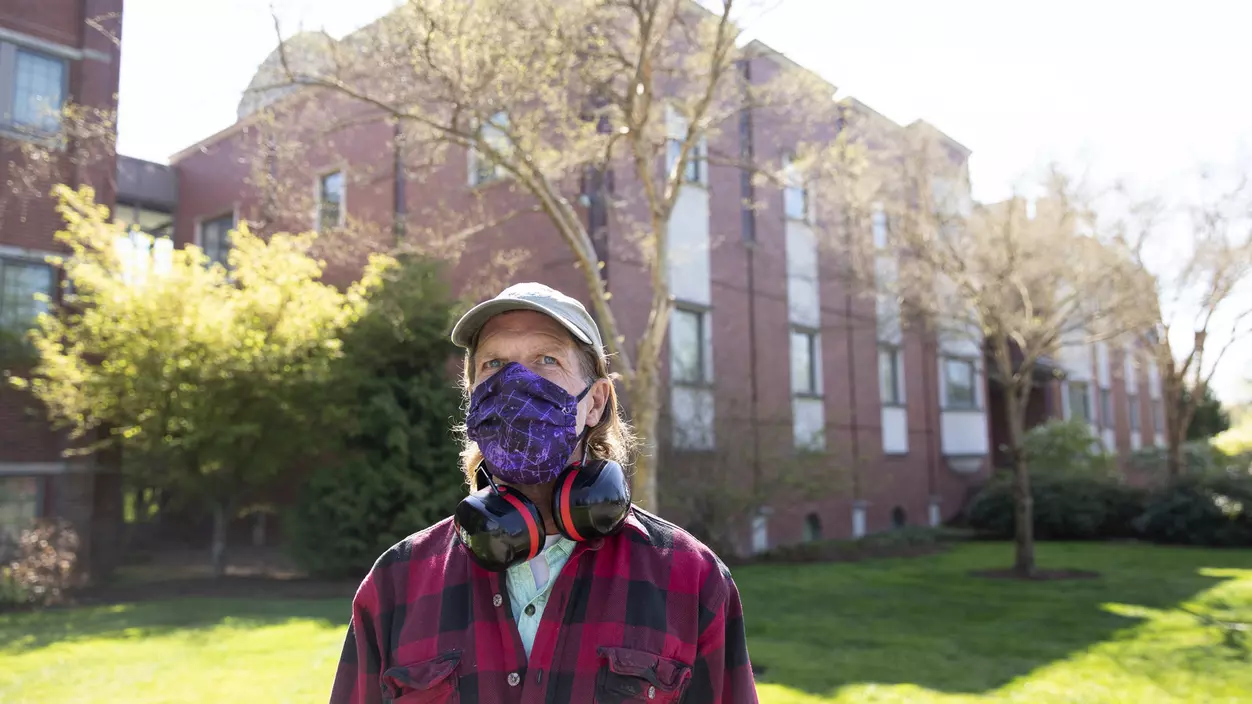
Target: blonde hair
(610, 439)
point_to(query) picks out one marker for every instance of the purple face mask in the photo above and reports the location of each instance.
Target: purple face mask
(525, 425)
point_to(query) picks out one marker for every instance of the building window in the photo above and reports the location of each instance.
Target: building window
(215, 238)
(38, 89)
(493, 136)
(878, 224)
(687, 347)
(960, 377)
(1079, 401)
(804, 359)
(20, 281)
(795, 192)
(1133, 400)
(330, 194)
(19, 507)
(1106, 408)
(693, 170)
(1158, 415)
(890, 376)
(812, 528)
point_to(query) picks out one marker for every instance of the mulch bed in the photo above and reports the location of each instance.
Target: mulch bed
(1037, 575)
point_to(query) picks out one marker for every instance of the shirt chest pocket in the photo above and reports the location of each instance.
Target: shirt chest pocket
(429, 682)
(638, 676)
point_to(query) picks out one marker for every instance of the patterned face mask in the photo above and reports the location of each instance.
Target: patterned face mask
(525, 426)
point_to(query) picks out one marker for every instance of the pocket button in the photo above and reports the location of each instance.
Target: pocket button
(514, 678)
(651, 692)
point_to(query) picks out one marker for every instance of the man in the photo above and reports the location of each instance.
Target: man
(471, 611)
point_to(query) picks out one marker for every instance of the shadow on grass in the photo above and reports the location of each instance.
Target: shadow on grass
(929, 622)
(181, 608)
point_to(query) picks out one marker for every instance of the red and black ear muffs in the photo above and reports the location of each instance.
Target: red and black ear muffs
(500, 527)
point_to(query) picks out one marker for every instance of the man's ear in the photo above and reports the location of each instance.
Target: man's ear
(599, 397)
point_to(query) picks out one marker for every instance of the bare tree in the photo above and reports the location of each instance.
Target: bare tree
(551, 97)
(1205, 298)
(1009, 283)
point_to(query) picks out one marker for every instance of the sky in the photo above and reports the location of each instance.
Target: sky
(1148, 90)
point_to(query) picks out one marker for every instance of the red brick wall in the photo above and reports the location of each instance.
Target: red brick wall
(30, 221)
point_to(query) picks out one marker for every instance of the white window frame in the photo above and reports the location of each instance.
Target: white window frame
(895, 354)
(812, 342)
(703, 372)
(1158, 416)
(794, 186)
(319, 193)
(975, 376)
(25, 261)
(1086, 400)
(8, 87)
(880, 226)
(1106, 408)
(477, 175)
(234, 223)
(1134, 407)
(676, 125)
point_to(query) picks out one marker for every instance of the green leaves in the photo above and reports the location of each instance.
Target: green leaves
(214, 371)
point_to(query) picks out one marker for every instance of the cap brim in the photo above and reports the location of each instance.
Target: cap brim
(471, 323)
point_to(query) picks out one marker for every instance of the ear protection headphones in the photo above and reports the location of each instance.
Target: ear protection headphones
(501, 527)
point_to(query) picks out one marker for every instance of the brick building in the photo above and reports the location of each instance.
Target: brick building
(772, 361)
(49, 57)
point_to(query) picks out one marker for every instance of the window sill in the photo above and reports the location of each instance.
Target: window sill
(962, 409)
(808, 396)
(894, 404)
(51, 140)
(708, 385)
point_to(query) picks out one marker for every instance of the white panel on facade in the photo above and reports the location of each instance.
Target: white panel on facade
(1131, 372)
(858, 521)
(692, 411)
(1136, 442)
(1154, 379)
(802, 293)
(1160, 439)
(760, 533)
(689, 264)
(1103, 371)
(895, 430)
(809, 422)
(964, 432)
(1077, 361)
(1109, 439)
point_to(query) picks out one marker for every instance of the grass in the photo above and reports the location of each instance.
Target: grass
(917, 630)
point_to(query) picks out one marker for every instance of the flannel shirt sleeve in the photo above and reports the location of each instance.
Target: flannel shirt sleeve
(357, 678)
(723, 673)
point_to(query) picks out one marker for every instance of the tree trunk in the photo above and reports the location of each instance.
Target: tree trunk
(1023, 503)
(645, 412)
(1174, 460)
(221, 519)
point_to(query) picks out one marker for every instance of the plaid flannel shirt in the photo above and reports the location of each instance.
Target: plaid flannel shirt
(648, 615)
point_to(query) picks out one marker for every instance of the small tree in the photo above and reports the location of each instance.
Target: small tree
(393, 468)
(214, 376)
(1210, 418)
(1011, 284)
(1205, 301)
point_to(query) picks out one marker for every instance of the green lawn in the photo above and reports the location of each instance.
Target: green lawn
(919, 630)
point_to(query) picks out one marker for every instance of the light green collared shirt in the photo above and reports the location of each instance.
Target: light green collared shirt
(530, 583)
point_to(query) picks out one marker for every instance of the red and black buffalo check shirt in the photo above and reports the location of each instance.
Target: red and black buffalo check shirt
(648, 615)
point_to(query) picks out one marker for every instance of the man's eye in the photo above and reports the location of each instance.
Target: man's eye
(549, 360)
(491, 364)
